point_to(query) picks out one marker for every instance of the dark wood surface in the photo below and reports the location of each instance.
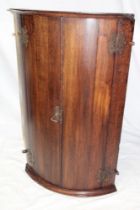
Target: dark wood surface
(76, 64)
(121, 64)
(80, 193)
(42, 58)
(73, 14)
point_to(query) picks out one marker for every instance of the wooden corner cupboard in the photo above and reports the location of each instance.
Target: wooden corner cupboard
(73, 70)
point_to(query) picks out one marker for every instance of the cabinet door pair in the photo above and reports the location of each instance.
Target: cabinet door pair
(73, 74)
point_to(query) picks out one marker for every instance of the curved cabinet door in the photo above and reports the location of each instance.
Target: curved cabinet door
(39, 40)
(96, 56)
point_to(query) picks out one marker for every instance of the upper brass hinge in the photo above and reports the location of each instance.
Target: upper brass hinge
(23, 35)
(117, 43)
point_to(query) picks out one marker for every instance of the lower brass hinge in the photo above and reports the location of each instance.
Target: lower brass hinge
(105, 174)
(29, 156)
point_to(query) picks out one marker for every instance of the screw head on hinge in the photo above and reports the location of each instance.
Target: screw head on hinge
(132, 43)
(24, 151)
(116, 172)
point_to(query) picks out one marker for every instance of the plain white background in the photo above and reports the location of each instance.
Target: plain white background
(17, 190)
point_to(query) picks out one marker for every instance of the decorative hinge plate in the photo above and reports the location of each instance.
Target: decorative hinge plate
(23, 35)
(105, 174)
(29, 156)
(117, 43)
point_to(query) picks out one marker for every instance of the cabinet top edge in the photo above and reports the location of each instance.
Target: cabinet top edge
(72, 14)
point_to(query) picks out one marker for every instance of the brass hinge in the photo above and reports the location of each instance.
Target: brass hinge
(23, 35)
(117, 43)
(29, 156)
(105, 174)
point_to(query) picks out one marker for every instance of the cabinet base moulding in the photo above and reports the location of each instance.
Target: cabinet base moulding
(58, 189)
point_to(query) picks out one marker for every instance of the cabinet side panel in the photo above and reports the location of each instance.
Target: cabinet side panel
(23, 86)
(121, 67)
(41, 40)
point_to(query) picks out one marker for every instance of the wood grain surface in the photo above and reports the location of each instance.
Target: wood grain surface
(78, 64)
